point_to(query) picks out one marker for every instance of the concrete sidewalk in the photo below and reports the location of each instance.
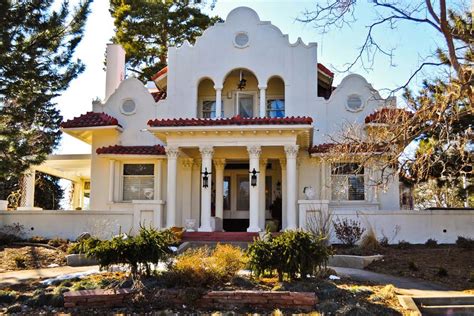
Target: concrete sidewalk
(15, 277)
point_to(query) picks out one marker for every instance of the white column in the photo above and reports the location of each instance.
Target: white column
(219, 165)
(263, 101)
(262, 188)
(187, 164)
(206, 155)
(29, 187)
(158, 211)
(218, 101)
(324, 182)
(254, 157)
(172, 154)
(284, 212)
(111, 180)
(291, 152)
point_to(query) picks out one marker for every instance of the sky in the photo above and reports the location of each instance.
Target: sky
(335, 49)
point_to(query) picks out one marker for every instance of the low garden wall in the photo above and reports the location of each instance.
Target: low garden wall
(413, 226)
(304, 301)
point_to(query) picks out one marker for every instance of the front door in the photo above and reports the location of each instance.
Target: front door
(236, 200)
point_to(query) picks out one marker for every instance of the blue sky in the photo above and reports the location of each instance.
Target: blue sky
(335, 49)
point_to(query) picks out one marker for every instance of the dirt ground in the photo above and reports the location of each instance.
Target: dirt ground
(17, 257)
(445, 264)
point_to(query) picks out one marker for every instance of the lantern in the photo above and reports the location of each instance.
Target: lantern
(205, 178)
(253, 178)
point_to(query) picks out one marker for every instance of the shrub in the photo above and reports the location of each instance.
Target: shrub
(83, 246)
(8, 296)
(150, 246)
(384, 241)
(402, 244)
(369, 241)
(205, 267)
(58, 242)
(431, 243)
(465, 242)
(348, 231)
(292, 253)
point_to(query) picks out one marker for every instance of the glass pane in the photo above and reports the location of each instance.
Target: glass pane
(138, 169)
(276, 108)
(339, 187)
(356, 188)
(243, 193)
(138, 188)
(268, 192)
(246, 105)
(226, 193)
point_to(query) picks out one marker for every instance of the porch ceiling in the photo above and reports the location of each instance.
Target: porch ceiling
(235, 135)
(71, 167)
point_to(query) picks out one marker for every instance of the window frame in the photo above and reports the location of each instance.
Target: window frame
(346, 178)
(209, 99)
(274, 98)
(122, 176)
(255, 102)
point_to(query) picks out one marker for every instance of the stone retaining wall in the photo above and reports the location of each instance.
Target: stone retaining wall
(222, 300)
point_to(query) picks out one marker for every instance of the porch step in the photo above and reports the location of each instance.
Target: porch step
(220, 236)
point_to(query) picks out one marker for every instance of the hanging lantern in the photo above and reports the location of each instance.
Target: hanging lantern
(205, 178)
(253, 178)
(242, 82)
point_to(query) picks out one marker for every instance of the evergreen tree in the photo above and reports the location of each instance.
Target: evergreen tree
(37, 45)
(147, 28)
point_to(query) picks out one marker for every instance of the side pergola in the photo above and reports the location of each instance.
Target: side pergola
(73, 167)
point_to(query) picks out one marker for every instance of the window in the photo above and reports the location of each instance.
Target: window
(241, 40)
(245, 104)
(276, 108)
(138, 182)
(243, 194)
(227, 193)
(354, 103)
(347, 182)
(128, 107)
(209, 109)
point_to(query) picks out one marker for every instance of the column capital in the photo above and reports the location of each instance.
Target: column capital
(172, 152)
(206, 151)
(254, 151)
(291, 151)
(262, 87)
(187, 163)
(218, 88)
(219, 164)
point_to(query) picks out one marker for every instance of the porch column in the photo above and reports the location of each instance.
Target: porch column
(324, 182)
(111, 180)
(206, 155)
(219, 165)
(291, 152)
(284, 212)
(29, 187)
(172, 154)
(254, 155)
(218, 102)
(187, 164)
(263, 101)
(262, 197)
(158, 211)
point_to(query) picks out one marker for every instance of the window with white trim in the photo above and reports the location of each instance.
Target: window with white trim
(208, 109)
(275, 108)
(138, 181)
(347, 182)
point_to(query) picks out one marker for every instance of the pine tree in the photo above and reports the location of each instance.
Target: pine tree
(147, 28)
(37, 45)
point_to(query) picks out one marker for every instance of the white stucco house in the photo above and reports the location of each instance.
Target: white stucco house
(236, 129)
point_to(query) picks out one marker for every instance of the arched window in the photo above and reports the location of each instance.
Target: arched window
(207, 99)
(275, 103)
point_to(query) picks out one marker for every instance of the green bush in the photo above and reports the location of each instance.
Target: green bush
(203, 267)
(465, 243)
(150, 246)
(83, 246)
(291, 253)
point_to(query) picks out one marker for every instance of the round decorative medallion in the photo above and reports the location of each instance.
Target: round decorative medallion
(354, 103)
(128, 107)
(241, 40)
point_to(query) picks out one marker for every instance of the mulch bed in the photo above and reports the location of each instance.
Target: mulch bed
(19, 257)
(430, 264)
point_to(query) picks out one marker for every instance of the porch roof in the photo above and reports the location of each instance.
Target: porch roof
(84, 125)
(156, 150)
(73, 167)
(236, 120)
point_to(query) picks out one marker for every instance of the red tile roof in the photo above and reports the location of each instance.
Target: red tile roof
(325, 70)
(354, 148)
(158, 95)
(388, 115)
(160, 72)
(91, 119)
(132, 150)
(236, 120)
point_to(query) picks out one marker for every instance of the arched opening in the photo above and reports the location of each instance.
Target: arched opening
(240, 93)
(206, 107)
(275, 97)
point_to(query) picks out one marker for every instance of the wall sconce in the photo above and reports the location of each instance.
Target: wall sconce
(253, 178)
(205, 178)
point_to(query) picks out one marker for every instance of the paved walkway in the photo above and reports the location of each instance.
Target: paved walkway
(14, 277)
